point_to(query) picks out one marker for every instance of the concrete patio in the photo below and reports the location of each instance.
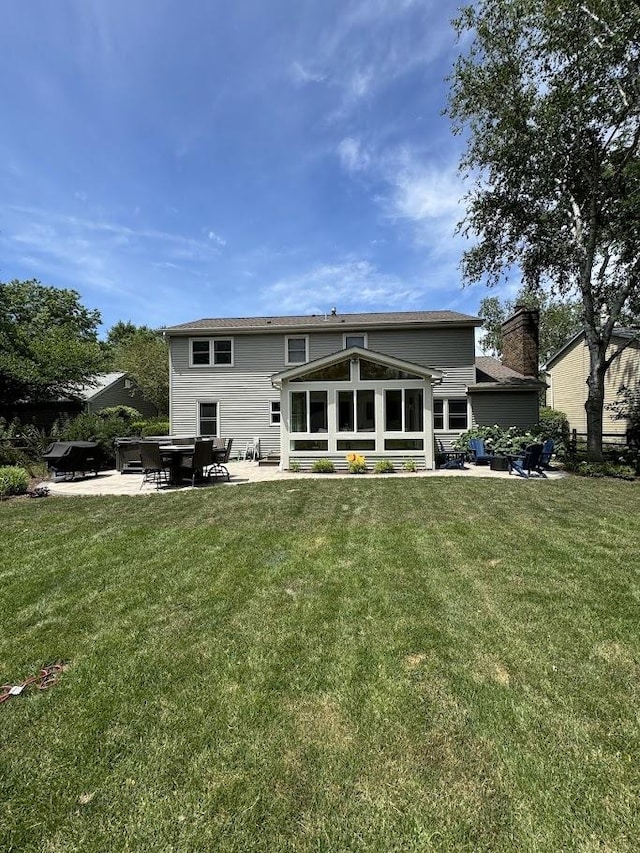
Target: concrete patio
(246, 472)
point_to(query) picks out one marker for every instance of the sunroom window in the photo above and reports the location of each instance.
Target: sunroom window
(403, 410)
(309, 411)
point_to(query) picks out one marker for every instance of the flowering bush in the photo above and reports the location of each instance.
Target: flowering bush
(503, 441)
(356, 463)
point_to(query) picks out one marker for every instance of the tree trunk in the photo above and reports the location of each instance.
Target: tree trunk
(594, 406)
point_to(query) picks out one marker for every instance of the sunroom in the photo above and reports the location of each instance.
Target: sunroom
(356, 401)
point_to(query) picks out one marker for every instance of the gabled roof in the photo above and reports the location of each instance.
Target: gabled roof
(97, 385)
(624, 333)
(342, 322)
(356, 352)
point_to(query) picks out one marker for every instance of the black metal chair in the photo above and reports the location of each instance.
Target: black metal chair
(197, 464)
(221, 455)
(154, 468)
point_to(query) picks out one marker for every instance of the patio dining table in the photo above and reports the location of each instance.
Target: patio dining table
(175, 454)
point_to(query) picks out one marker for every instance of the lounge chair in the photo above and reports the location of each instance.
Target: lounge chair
(547, 453)
(528, 464)
(481, 456)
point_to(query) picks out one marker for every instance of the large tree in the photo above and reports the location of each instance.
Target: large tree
(548, 94)
(559, 320)
(48, 342)
(144, 355)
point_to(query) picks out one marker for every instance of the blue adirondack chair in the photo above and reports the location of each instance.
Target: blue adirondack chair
(547, 453)
(481, 456)
(528, 465)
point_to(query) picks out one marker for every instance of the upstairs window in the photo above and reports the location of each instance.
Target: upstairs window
(296, 349)
(355, 341)
(207, 352)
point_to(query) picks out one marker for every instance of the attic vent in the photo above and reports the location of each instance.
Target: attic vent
(128, 383)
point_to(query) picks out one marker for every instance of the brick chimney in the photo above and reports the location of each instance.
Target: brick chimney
(520, 340)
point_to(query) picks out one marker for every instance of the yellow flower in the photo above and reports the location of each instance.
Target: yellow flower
(351, 457)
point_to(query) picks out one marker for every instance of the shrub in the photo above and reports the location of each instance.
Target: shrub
(599, 469)
(156, 426)
(356, 463)
(125, 413)
(409, 465)
(323, 466)
(505, 441)
(294, 466)
(13, 481)
(554, 424)
(384, 466)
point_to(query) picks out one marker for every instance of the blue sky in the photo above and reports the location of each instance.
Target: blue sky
(176, 160)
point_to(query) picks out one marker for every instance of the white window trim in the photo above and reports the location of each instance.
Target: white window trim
(210, 341)
(363, 335)
(271, 413)
(445, 413)
(209, 401)
(287, 338)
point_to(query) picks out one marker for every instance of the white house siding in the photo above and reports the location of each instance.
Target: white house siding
(505, 409)
(244, 391)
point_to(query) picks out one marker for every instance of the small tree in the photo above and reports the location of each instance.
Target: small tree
(144, 355)
(549, 95)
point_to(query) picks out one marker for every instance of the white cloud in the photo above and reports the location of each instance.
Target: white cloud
(301, 75)
(353, 156)
(350, 285)
(216, 238)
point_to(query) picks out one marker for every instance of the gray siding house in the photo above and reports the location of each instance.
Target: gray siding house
(387, 385)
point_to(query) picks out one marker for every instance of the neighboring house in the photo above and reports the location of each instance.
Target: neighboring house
(105, 389)
(567, 373)
(383, 384)
(114, 389)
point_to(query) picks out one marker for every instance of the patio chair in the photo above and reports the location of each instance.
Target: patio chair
(154, 468)
(219, 468)
(481, 456)
(528, 464)
(547, 453)
(252, 449)
(197, 464)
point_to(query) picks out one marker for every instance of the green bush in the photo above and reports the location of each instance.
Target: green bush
(156, 426)
(13, 481)
(504, 441)
(554, 424)
(294, 466)
(86, 427)
(323, 466)
(125, 413)
(409, 465)
(599, 469)
(384, 466)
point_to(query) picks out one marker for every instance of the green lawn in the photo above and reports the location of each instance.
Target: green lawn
(325, 665)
